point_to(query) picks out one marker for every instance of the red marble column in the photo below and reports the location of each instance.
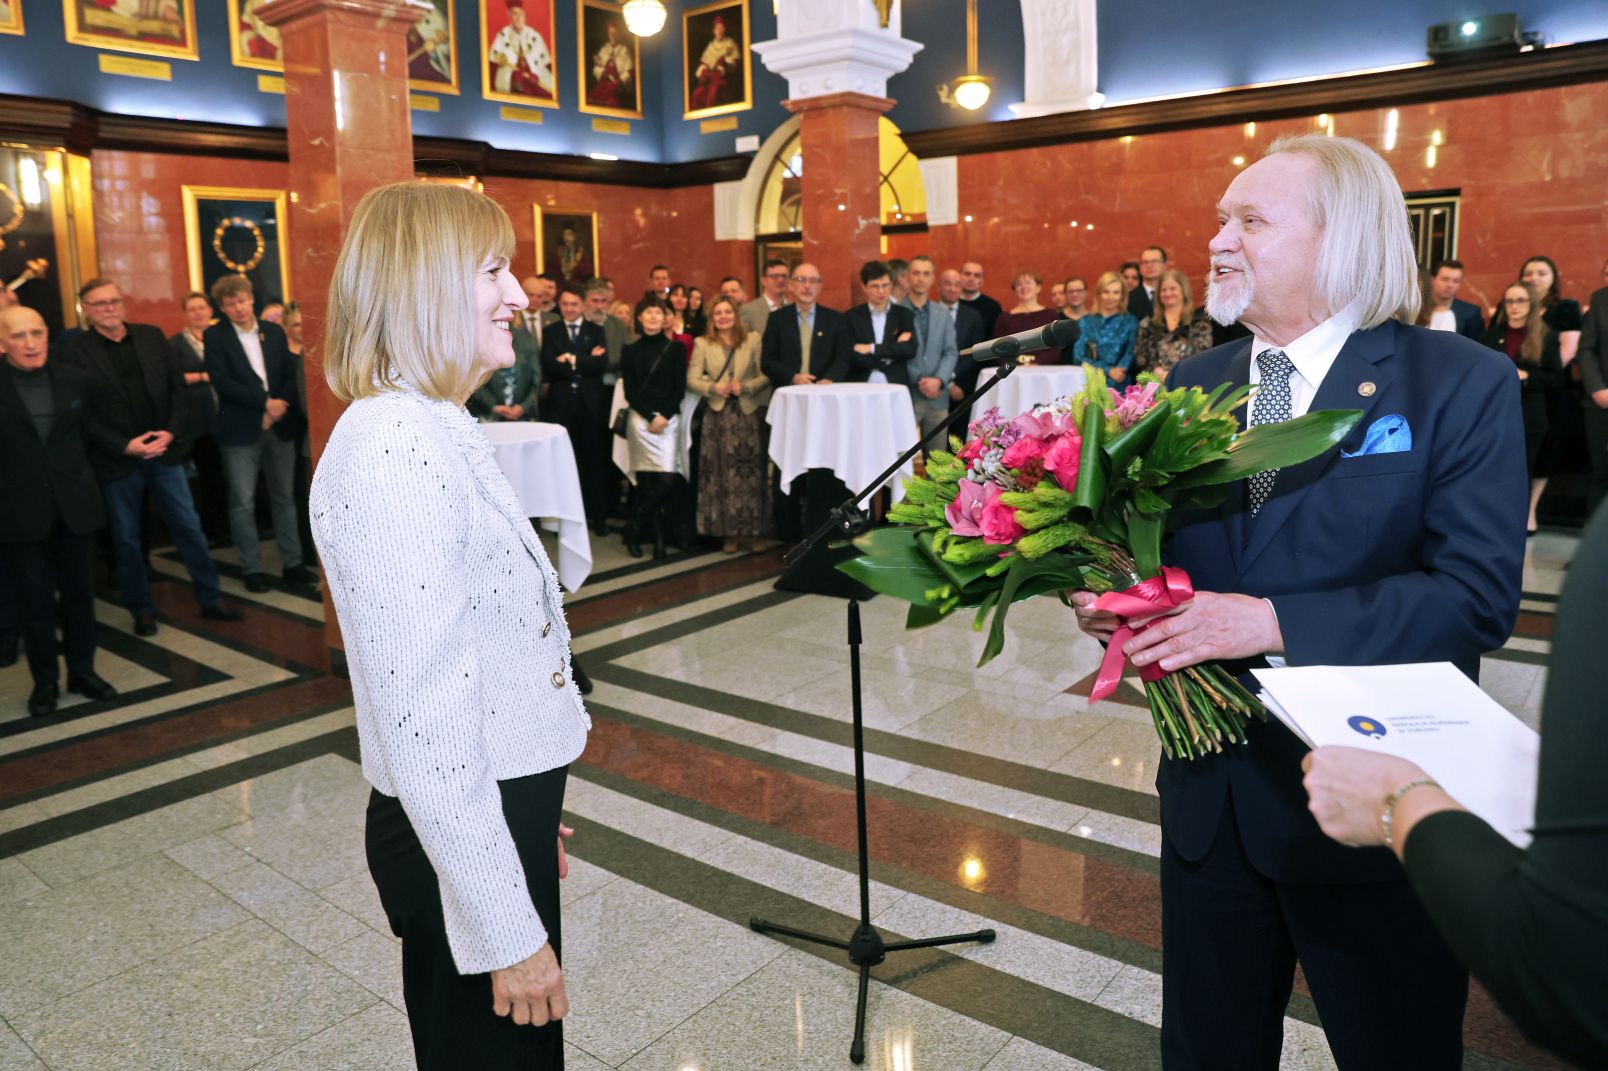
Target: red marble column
(842, 195)
(349, 130)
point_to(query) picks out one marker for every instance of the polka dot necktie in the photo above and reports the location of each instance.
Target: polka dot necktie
(1270, 406)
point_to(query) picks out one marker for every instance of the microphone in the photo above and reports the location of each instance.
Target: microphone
(1053, 335)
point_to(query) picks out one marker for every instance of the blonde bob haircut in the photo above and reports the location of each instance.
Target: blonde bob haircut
(1366, 265)
(402, 304)
(1105, 280)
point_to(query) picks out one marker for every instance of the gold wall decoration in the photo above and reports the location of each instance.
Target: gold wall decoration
(235, 230)
(717, 64)
(609, 60)
(146, 27)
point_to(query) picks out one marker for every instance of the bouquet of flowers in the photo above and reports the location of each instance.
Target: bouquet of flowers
(1076, 495)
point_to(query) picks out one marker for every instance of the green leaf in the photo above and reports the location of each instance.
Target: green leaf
(890, 563)
(923, 616)
(1273, 446)
(1131, 442)
(1144, 542)
(1024, 579)
(1090, 492)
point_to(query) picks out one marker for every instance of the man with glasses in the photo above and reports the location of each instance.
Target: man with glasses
(807, 344)
(137, 427)
(883, 334)
(773, 296)
(1142, 298)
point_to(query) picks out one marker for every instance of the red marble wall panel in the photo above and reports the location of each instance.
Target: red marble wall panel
(842, 202)
(1528, 165)
(139, 221)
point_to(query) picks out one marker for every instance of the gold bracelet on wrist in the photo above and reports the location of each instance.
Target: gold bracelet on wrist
(1387, 817)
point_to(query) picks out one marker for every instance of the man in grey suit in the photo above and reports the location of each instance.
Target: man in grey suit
(932, 369)
(1593, 358)
(772, 296)
(615, 333)
(512, 393)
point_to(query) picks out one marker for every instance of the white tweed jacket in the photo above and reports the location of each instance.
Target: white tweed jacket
(458, 650)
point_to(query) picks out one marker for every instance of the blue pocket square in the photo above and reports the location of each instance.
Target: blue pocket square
(1387, 435)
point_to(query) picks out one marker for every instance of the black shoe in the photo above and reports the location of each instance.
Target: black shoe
(301, 576)
(600, 530)
(42, 701)
(90, 686)
(256, 583)
(8, 650)
(222, 612)
(144, 625)
(582, 681)
(633, 545)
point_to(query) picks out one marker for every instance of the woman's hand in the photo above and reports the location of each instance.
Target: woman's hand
(564, 833)
(1347, 788)
(531, 992)
(1099, 624)
(1117, 375)
(658, 424)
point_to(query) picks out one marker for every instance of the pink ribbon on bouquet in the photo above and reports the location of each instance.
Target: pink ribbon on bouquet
(1147, 598)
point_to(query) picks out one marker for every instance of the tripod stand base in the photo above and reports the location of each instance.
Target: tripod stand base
(866, 949)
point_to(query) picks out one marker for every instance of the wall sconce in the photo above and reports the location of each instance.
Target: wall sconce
(644, 17)
(971, 90)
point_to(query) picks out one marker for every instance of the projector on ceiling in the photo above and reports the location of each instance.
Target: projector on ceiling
(1479, 37)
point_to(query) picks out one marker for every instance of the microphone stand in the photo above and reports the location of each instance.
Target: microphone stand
(865, 946)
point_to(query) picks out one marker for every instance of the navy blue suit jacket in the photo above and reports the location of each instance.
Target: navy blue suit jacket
(1470, 324)
(241, 395)
(1372, 560)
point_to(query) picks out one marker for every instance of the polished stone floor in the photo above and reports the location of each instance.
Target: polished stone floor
(182, 881)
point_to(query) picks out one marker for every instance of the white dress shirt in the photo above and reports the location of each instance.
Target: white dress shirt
(251, 342)
(1443, 320)
(1312, 354)
(879, 326)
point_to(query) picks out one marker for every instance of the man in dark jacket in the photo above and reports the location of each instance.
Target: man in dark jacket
(881, 334)
(575, 355)
(53, 509)
(781, 353)
(252, 372)
(137, 429)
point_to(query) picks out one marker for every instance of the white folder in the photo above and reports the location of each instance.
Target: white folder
(1429, 714)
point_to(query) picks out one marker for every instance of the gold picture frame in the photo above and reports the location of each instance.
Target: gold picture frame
(98, 27)
(549, 226)
(611, 93)
(250, 39)
(11, 17)
(213, 213)
(502, 86)
(696, 37)
(424, 71)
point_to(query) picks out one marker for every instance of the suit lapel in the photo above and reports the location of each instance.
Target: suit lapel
(1357, 363)
(1239, 374)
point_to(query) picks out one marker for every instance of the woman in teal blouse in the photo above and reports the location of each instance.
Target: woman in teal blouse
(1107, 335)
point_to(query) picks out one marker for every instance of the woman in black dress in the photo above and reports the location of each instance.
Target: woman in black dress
(654, 370)
(1522, 333)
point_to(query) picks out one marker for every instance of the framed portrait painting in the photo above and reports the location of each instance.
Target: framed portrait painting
(566, 244)
(716, 67)
(433, 49)
(11, 16)
(610, 62)
(148, 27)
(236, 231)
(252, 42)
(516, 52)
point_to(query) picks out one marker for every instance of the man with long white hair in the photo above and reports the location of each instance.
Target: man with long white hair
(1404, 544)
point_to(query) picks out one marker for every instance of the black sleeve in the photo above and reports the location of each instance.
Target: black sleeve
(1531, 925)
(771, 361)
(1564, 316)
(178, 422)
(900, 322)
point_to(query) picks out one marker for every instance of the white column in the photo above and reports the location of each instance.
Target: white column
(836, 46)
(1060, 66)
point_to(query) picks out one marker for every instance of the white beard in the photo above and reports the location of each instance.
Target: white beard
(1225, 309)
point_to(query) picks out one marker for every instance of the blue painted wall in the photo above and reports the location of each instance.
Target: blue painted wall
(1158, 48)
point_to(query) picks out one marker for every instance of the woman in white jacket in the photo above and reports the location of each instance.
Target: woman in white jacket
(467, 712)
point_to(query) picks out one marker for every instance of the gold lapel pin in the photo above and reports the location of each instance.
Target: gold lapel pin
(1366, 388)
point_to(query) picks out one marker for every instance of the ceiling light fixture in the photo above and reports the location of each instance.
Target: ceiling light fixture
(644, 17)
(970, 91)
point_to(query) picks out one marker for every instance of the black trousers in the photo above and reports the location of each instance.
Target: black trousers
(63, 562)
(1388, 990)
(210, 490)
(449, 1013)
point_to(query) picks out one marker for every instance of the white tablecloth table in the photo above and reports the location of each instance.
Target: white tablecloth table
(1030, 385)
(540, 465)
(621, 450)
(854, 429)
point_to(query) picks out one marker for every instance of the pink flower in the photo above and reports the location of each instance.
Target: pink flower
(999, 521)
(1021, 451)
(972, 451)
(1133, 404)
(966, 511)
(1044, 424)
(1061, 460)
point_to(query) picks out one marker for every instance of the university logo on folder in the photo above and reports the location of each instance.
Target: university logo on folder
(1372, 727)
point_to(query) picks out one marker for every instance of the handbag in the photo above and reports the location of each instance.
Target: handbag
(622, 419)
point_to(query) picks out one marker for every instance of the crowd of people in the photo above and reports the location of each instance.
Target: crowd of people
(194, 422)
